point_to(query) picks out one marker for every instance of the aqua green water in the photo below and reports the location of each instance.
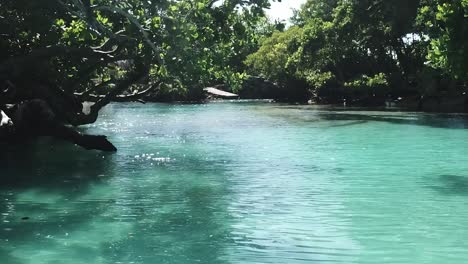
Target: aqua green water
(242, 183)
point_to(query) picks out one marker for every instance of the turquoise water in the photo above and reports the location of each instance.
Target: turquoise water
(242, 183)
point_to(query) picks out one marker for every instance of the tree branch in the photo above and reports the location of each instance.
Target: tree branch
(136, 96)
(135, 22)
(16, 64)
(94, 88)
(91, 117)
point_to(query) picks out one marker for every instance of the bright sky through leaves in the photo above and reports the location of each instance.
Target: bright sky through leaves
(283, 10)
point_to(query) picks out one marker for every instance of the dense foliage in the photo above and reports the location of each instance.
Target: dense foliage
(61, 61)
(103, 50)
(371, 50)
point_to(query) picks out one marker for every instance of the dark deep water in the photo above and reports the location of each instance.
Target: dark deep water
(242, 183)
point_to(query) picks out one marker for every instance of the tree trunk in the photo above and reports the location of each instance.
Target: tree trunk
(35, 118)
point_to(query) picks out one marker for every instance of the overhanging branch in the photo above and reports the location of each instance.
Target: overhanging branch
(136, 96)
(133, 77)
(16, 64)
(135, 22)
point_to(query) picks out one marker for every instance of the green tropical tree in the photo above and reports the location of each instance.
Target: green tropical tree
(67, 52)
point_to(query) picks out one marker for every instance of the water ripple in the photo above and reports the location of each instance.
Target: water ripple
(249, 183)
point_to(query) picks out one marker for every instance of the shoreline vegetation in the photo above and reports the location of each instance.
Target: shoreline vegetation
(61, 62)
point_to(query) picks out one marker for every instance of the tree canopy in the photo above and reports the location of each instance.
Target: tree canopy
(68, 52)
(371, 48)
(105, 50)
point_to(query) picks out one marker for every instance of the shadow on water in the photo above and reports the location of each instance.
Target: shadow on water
(432, 120)
(7, 259)
(36, 178)
(177, 213)
(352, 123)
(179, 218)
(181, 215)
(452, 185)
(173, 213)
(357, 116)
(52, 165)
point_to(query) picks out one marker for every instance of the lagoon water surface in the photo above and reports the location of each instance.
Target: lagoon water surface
(242, 183)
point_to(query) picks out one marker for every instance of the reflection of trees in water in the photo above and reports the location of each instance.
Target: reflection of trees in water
(356, 116)
(287, 115)
(420, 119)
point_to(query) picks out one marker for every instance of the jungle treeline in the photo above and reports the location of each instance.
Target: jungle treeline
(369, 52)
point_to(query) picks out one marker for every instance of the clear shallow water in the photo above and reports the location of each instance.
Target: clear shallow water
(242, 183)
